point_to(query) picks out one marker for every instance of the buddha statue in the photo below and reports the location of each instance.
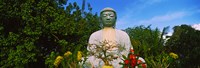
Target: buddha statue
(115, 42)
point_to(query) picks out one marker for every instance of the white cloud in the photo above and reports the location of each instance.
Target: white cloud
(164, 18)
(196, 26)
(128, 15)
(157, 21)
(134, 15)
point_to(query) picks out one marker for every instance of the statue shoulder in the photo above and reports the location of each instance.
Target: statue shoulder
(94, 37)
(96, 33)
(122, 32)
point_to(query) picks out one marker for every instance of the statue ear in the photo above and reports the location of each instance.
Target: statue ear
(115, 15)
(100, 21)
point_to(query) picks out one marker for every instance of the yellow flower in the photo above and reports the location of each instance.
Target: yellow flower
(58, 60)
(173, 55)
(105, 66)
(68, 53)
(79, 55)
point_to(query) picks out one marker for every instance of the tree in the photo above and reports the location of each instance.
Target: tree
(30, 30)
(146, 37)
(185, 42)
(149, 44)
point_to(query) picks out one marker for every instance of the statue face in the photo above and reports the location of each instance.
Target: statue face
(108, 18)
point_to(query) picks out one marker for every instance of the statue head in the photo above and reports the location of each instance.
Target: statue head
(108, 17)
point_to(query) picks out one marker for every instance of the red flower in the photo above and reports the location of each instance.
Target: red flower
(144, 65)
(139, 61)
(126, 66)
(131, 51)
(131, 56)
(133, 62)
(126, 61)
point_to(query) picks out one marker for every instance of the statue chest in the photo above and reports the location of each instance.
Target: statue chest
(109, 35)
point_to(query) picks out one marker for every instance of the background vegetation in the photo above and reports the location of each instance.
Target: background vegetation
(34, 32)
(30, 30)
(185, 42)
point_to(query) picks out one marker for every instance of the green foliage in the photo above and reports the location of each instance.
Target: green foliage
(146, 40)
(185, 42)
(149, 44)
(30, 30)
(34, 32)
(51, 59)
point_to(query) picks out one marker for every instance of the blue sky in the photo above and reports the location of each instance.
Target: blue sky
(157, 13)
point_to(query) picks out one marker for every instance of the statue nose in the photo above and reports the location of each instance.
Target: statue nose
(108, 19)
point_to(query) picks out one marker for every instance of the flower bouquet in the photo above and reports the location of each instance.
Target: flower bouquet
(106, 51)
(133, 61)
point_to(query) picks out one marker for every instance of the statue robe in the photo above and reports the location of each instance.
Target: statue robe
(117, 37)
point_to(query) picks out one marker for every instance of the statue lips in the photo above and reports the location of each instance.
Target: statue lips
(109, 22)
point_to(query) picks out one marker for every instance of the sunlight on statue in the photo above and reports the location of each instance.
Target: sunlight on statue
(106, 46)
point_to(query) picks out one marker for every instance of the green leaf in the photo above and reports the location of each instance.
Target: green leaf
(124, 57)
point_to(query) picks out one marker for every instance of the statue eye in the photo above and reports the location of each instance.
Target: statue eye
(111, 15)
(104, 15)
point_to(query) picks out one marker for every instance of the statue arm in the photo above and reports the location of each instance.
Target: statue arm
(126, 44)
(90, 43)
(93, 43)
(91, 50)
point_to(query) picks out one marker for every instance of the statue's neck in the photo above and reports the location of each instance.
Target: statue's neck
(108, 28)
(109, 34)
